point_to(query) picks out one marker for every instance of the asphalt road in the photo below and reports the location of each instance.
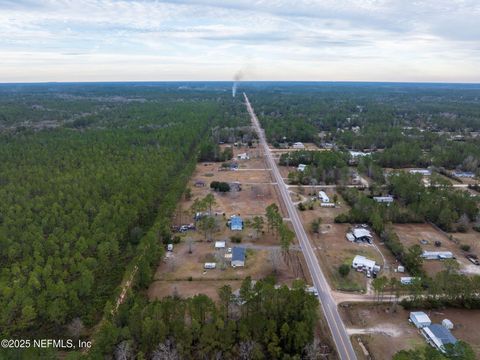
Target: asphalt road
(339, 333)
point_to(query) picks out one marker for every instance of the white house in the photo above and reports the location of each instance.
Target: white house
(464, 174)
(437, 255)
(360, 261)
(238, 256)
(219, 244)
(301, 167)
(356, 154)
(383, 199)
(407, 280)
(438, 336)
(298, 145)
(243, 156)
(420, 319)
(424, 172)
(323, 197)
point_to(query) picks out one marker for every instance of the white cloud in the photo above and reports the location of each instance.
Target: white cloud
(210, 39)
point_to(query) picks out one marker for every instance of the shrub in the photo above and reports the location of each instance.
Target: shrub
(465, 247)
(344, 270)
(236, 238)
(301, 207)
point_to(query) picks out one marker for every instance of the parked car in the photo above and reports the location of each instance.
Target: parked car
(424, 242)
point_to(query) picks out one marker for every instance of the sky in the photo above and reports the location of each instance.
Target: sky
(305, 40)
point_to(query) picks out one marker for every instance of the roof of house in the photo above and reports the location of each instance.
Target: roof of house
(420, 317)
(439, 254)
(236, 221)
(219, 244)
(441, 333)
(359, 259)
(238, 254)
(383, 198)
(359, 233)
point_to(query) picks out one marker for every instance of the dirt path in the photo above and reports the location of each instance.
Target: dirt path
(384, 329)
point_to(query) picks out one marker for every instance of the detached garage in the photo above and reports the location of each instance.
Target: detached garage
(420, 319)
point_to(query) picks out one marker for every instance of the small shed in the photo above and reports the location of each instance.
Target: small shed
(301, 167)
(238, 256)
(420, 319)
(447, 323)
(219, 244)
(350, 237)
(199, 183)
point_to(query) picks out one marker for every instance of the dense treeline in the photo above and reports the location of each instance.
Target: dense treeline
(440, 204)
(437, 203)
(260, 322)
(459, 351)
(325, 167)
(413, 124)
(76, 200)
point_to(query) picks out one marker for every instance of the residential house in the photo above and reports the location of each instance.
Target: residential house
(362, 262)
(238, 256)
(437, 255)
(236, 223)
(362, 235)
(424, 172)
(438, 336)
(323, 197)
(384, 199)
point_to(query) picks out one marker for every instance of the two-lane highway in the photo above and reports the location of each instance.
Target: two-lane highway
(339, 333)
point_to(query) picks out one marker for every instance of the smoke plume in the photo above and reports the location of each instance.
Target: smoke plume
(236, 79)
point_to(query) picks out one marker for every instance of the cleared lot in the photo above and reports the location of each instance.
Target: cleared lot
(385, 331)
(411, 234)
(182, 272)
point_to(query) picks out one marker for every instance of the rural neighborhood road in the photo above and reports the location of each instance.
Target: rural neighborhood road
(329, 306)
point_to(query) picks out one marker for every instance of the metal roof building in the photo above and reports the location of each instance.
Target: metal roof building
(238, 256)
(236, 223)
(420, 319)
(438, 336)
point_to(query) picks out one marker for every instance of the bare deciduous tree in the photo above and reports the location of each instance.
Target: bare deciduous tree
(245, 349)
(166, 351)
(75, 328)
(123, 351)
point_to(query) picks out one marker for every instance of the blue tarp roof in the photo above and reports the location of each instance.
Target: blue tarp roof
(236, 221)
(238, 254)
(443, 334)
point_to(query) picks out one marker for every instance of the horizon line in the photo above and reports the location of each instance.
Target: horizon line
(235, 81)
